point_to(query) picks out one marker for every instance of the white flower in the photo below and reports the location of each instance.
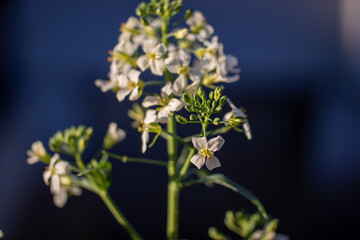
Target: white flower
(261, 234)
(129, 84)
(36, 153)
(53, 172)
(113, 136)
(236, 112)
(206, 151)
(150, 117)
(199, 27)
(129, 29)
(1, 234)
(167, 104)
(153, 57)
(178, 63)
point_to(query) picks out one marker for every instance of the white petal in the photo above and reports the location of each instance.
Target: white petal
(180, 84)
(167, 89)
(164, 115)
(185, 57)
(46, 176)
(157, 66)
(216, 143)
(104, 85)
(123, 81)
(199, 143)
(134, 75)
(192, 88)
(150, 116)
(227, 116)
(174, 105)
(231, 103)
(61, 167)
(195, 74)
(60, 198)
(160, 50)
(143, 62)
(230, 79)
(172, 64)
(32, 160)
(76, 191)
(134, 94)
(150, 101)
(122, 93)
(212, 162)
(198, 160)
(149, 45)
(53, 160)
(247, 130)
(144, 140)
(55, 184)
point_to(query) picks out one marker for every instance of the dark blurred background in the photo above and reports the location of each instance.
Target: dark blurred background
(300, 84)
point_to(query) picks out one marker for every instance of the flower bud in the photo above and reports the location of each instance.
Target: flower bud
(222, 101)
(188, 14)
(193, 117)
(186, 98)
(234, 122)
(201, 92)
(218, 109)
(211, 95)
(217, 93)
(180, 119)
(216, 121)
(197, 104)
(189, 108)
(181, 33)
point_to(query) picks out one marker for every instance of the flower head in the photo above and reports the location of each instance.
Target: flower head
(206, 151)
(37, 153)
(129, 85)
(113, 136)
(53, 173)
(153, 57)
(150, 118)
(238, 113)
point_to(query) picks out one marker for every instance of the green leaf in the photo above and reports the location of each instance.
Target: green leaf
(228, 183)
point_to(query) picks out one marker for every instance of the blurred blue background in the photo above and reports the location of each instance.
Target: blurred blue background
(300, 83)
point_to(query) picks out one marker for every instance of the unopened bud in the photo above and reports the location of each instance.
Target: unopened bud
(193, 117)
(218, 109)
(201, 92)
(222, 101)
(181, 33)
(180, 119)
(189, 108)
(186, 98)
(217, 93)
(188, 14)
(216, 121)
(211, 95)
(234, 122)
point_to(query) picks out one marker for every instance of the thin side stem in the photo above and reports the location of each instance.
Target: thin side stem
(126, 159)
(186, 165)
(119, 216)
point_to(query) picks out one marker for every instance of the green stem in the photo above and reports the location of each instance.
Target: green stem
(126, 159)
(79, 161)
(172, 135)
(186, 165)
(173, 186)
(119, 216)
(153, 83)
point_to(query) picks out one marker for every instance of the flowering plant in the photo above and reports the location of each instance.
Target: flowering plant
(186, 58)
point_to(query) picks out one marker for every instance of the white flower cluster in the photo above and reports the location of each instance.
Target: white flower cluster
(193, 58)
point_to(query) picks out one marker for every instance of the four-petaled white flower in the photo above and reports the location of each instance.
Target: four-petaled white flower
(199, 27)
(129, 84)
(167, 104)
(36, 153)
(206, 151)
(53, 173)
(61, 198)
(236, 112)
(153, 57)
(178, 63)
(150, 117)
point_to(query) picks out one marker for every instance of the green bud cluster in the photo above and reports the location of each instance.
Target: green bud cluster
(202, 106)
(71, 141)
(162, 8)
(246, 226)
